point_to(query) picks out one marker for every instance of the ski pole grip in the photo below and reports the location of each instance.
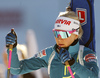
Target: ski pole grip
(11, 46)
(66, 63)
(12, 30)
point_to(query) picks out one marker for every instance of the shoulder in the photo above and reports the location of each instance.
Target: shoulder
(88, 50)
(49, 49)
(84, 50)
(45, 52)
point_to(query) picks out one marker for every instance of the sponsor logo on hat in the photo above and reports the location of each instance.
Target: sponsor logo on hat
(82, 14)
(62, 21)
(76, 23)
(58, 25)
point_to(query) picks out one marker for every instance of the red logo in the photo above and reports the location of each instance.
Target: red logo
(90, 57)
(82, 14)
(44, 53)
(61, 21)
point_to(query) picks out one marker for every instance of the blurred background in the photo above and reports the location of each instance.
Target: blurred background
(33, 21)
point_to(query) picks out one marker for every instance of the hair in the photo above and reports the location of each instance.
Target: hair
(71, 14)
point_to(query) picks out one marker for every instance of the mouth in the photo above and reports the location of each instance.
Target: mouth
(61, 45)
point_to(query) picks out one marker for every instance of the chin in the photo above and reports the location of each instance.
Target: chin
(64, 46)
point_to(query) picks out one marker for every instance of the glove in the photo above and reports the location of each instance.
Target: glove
(64, 55)
(11, 39)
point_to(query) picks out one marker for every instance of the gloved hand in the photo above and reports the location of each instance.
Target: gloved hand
(64, 55)
(11, 39)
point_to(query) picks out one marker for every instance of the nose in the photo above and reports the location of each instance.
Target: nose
(59, 37)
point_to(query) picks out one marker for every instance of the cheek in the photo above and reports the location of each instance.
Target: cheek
(56, 40)
(68, 41)
(59, 40)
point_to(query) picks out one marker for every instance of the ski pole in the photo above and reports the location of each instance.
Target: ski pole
(10, 54)
(70, 71)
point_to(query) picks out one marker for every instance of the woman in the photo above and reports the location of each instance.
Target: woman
(67, 32)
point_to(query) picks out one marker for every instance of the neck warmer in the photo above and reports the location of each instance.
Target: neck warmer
(73, 48)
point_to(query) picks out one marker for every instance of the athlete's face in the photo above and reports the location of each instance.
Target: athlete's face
(66, 41)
